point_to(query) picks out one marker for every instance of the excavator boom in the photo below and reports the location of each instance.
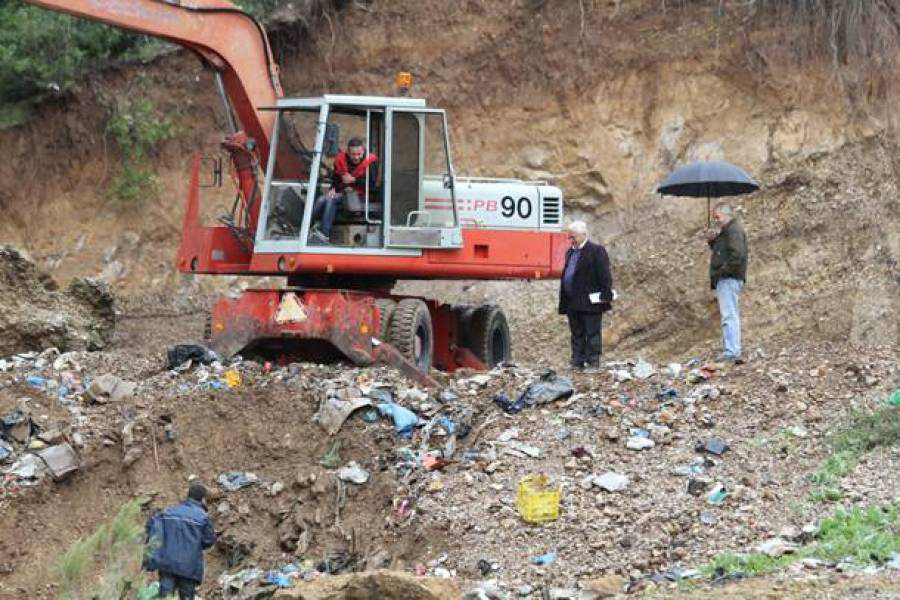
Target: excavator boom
(227, 39)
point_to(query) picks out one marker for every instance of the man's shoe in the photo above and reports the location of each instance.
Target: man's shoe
(317, 237)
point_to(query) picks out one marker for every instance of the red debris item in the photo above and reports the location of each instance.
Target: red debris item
(434, 463)
(581, 452)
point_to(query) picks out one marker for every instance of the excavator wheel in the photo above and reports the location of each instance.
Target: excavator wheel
(411, 334)
(488, 335)
(386, 308)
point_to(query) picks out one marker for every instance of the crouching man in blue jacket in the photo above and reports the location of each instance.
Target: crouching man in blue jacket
(177, 537)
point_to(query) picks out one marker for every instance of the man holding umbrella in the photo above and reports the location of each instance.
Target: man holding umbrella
(728, 263)
(727, 273)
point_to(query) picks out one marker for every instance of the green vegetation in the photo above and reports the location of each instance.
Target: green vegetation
(106, 564)
(867, 432)
(138, 129)
(863, 536)
(43, 53)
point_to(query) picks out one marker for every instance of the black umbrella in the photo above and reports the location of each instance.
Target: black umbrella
(710, 178)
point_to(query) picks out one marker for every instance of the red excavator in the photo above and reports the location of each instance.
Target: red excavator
(342, 235)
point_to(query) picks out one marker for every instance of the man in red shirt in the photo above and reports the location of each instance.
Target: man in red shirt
(350, 167)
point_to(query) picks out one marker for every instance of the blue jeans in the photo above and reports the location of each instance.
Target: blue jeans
(728, 293)
(324, 211)
(169, 584)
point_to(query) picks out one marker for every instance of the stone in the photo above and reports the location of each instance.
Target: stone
(775, 547)
(611, 482)
(603, 587)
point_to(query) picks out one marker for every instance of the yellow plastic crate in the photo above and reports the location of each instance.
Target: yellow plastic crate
(536, 500)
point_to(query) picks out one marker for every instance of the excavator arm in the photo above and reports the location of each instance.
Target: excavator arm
(227, 40)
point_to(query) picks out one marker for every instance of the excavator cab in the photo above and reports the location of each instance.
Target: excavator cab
(408, 200)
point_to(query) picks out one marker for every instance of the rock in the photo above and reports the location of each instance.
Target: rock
(373, 584)
(354, 473)
(131, 456)
(109, 387)
(603, 587)
(776, 547)
(611, 482)
(534, 157)
(33, 316)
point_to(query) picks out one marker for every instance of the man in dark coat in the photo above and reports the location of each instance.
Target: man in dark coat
(177, 537)
(727, 274)
(585, 293)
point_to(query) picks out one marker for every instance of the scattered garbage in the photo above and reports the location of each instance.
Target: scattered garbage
(36, 381)
(643, 369)
(181, 353)
(673, 370)
(404, 419)
(284, 577)
(235, 582)
(28, 469)
(715, 446)
(549, 388)
(536, 500)
(639, 443)
(354, 473)
(60, 460)
(109, 388)
(894, 399)
(696, 487)
(332, 458)
(523, 450)
(333, 412)
(509, 407)
(484, 567)
(543, 559)
(6, 451)
(667, 392)
(235, 480)
(717, 496)
(708, 518)
(232, 378)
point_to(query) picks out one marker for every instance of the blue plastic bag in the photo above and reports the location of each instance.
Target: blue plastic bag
(404, 419)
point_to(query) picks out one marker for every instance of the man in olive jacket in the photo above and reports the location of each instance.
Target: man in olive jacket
(727, 274)
(585, 293)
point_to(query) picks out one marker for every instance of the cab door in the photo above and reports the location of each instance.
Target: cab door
(419, 187)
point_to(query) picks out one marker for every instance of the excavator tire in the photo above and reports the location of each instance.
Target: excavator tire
(410, 332)
(386, 308)
(488, 335)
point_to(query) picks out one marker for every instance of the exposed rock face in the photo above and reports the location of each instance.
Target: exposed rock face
(34, 315)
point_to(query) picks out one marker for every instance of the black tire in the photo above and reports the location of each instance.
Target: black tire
(386, 308)
(488, 335)
(411, 333)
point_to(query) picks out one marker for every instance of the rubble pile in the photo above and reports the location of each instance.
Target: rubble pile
(35, 315)
(318, 470)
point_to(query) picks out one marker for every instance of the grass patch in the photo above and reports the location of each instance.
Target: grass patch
(107, 563)
(863, 536)
(867, 432)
